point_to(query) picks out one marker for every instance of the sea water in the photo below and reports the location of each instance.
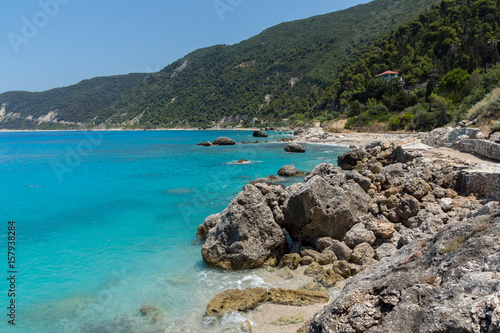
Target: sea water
(106, 223)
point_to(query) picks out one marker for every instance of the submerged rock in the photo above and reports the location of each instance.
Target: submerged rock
(288, 320)
(205, 144)
(249, 299)
(223, 141)
(236, 300)
(295, 147)
(245, 234)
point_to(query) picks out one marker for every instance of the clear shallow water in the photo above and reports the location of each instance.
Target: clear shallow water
(106, 223)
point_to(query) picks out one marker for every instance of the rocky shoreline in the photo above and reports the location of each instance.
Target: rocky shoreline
(397, 223)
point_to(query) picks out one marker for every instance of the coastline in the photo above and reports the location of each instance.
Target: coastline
(411, 144)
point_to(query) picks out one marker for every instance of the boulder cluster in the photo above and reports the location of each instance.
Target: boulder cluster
(342, 220)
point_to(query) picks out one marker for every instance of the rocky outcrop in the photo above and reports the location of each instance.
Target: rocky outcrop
(319, 209)
(223, 141)
(249, 299)
(446, 283)
(295, 147)
(479, 182)
(289, 171)
(260, 134)
(483, 148)
(245, 235)
(205, 144)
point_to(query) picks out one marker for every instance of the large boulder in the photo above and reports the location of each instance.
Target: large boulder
(295, 147)
(223, 141)
(245, 234)
(260, 134)
(289, 171)
(319, 209)
(349, 160)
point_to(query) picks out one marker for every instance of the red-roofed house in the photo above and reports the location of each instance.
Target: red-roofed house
(388, 75)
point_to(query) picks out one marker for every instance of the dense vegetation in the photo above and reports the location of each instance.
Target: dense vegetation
(445, 57)
(78, 103)
(282, 72)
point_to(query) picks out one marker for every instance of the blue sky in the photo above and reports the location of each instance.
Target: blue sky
(52, 43)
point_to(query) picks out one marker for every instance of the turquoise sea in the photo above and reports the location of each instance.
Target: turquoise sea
(106, 223)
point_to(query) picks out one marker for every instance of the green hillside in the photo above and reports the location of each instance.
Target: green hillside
(445, 57)
(282, 72)
(71, 106)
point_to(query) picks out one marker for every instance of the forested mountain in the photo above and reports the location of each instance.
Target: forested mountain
(445, 57)
(282, 72)
(68, 107)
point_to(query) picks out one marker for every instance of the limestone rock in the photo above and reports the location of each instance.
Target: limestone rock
(319, 209)
(289, 171)
(290, 260)
(307, 260)
(245, 235)
(323, 243)
(223, 141)
(356, 236)
(363, 254)
(205, 227)
(385, 250)
(349, 160)
(341, 250)
(236, 300)
(334, 175)
(362, 181)
(342, 268)
(314, 269)
(295, 147)
(416, 187)
(260, 134)
(328, 278)
(407, 207)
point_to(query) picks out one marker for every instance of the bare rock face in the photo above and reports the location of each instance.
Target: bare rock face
(319, 209)
(223, 141)
(245, 234)
(446, 283)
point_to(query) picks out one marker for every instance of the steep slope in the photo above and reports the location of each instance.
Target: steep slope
(449, 46)
(279, 73)
(64, 107)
